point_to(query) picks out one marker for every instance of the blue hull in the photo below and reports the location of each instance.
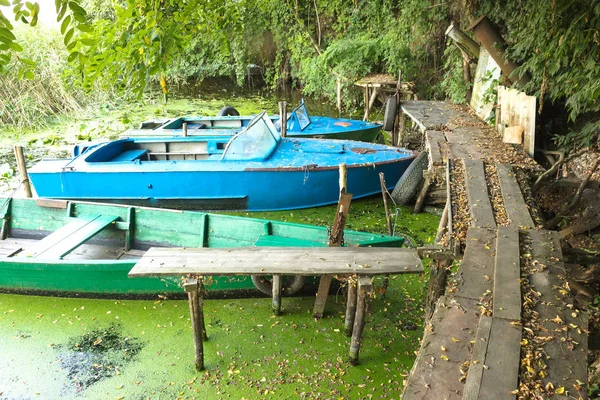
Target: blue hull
(255, 170)
(300, 125)
(253, 190)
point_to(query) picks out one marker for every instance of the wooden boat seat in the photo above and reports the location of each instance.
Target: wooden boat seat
(130, 155)
(66, 239)
(277, 261)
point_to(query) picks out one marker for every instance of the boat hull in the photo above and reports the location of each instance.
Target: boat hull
(302, 173)
(319, 128)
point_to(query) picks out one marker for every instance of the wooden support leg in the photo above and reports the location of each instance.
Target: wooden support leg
(322, 293)
(194, 290)
(350, 308)
(365, 285)
(401, 129)
(276, 303)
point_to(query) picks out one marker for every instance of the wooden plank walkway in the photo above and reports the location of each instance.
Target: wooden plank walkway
(485, 322)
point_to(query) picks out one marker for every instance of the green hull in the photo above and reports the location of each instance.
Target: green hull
(74, 275)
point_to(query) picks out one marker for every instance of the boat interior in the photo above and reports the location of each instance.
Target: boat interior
(255, 142)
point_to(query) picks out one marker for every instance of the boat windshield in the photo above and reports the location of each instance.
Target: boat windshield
(256, 142)
(301, 115)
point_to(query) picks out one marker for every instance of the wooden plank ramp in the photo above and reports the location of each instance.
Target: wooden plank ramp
(477, 193)
(561, 326)
(475, 346)
(515, 206)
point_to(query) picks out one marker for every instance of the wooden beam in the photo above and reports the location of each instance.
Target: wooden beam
(365, 286)
(23, 171)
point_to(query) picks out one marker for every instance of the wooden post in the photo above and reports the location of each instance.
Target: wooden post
(184, 126)
(366, 100)
(23, 171)
(343, 178)
(335, 239)
(365, 286)
(350, 308)
(339, 95)
(388, 218)
(385, 203)
(421, 198)
(401, 128)
(438, 275)
(276, 302)
(283, 118)
(195, 289)
(130, 228)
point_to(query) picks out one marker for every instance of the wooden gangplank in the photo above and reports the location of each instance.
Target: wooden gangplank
(363, 262)
(473, 345)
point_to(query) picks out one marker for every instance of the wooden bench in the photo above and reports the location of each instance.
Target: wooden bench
(277, 261)
(67, 238)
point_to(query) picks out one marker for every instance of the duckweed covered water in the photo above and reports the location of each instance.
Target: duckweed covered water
(250, 353)
(96, 349)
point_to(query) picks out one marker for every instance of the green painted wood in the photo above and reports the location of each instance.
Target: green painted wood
(150, 227)
(280, 241)
(63, 241)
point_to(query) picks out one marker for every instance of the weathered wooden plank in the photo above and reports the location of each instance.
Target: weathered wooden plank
(507, 274)
(446, 345)
(515, 206)
(473, 279)
(277, 260)
(59, 234)
(473, 383)
(432, 143)
(566, 353)
(60, 246)
(477, 193)
(464, 142)
(502, 359)
(52, 203)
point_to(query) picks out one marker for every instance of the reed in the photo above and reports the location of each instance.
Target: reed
(33, 103)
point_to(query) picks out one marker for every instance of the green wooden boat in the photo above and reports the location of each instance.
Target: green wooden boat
(86, 249)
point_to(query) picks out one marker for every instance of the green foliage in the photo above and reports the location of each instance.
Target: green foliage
(453, 83)
(558, 43)
(74, 21)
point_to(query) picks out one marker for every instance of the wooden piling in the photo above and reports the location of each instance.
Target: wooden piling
(364, 287)
(350, 308)
(194, 289)
(283, 118)
(339, 95)
(184, 126)
(276, 301)
(385, 203)
(343, 178)
(335, 239)
(23, 171)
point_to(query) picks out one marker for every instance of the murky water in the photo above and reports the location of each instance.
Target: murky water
(95, 349)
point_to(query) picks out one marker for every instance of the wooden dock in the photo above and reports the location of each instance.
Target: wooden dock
(506, 325)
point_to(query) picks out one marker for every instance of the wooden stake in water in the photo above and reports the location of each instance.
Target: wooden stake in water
(23, 171)
(283, 118)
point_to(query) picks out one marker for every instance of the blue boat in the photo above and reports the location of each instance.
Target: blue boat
(300, 124)
(254, 170)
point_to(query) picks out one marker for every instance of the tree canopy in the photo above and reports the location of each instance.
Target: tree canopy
(128, 44)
